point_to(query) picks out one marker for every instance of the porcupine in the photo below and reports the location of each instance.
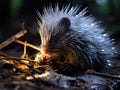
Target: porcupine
(75, 40)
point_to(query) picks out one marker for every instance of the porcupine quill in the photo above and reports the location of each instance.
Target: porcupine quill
(76, 40)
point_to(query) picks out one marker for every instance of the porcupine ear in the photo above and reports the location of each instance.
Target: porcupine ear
(65, 23)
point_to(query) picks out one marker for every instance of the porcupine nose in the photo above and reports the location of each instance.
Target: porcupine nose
(45, 51)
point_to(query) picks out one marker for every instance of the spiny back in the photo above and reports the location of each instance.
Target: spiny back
(81, 27)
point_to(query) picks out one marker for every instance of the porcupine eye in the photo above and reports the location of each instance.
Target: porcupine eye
(56, 40)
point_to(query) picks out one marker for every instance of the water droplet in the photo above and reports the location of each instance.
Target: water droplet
(76, 15)
(104, 35)
(109, 64)
(102, 50)
(113, 39)
(92, 24)
(113, 47)
(108, 61)
(90, 38)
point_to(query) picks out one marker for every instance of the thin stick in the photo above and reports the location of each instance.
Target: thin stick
(102, 74)
(11, 39)
(28, 44)
(25, 48)
(28, 65)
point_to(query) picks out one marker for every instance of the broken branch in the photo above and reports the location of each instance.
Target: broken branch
(102, 74)
(10, 40)
(28, 44)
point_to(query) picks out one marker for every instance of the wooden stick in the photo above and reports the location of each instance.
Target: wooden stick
(28, 44)
(102, 74)
(11, 39)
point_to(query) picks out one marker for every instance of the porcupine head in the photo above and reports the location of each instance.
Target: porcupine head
(73, 41)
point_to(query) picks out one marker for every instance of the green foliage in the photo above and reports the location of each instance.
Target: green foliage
(15, 5)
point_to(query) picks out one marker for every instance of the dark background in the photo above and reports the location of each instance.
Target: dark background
(14, 12)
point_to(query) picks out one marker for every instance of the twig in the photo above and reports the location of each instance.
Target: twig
(11, 39)
(102, 74)
(28, 44)
(23, 82)
(16, 58)
(19, 60)
(27, 73)
(3, 54)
